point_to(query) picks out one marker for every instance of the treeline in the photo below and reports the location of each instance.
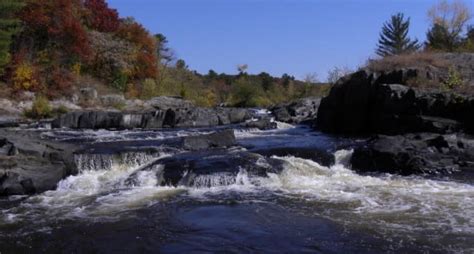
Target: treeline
(449, 32)
(47, 47)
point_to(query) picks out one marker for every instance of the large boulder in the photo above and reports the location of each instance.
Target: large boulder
(422, 153)
(29, 164)
(365, 103)
(298, 111)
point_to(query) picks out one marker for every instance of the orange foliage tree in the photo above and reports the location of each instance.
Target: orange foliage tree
(146, 59)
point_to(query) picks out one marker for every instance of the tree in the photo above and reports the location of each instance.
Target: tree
(242, 68)
(100, 17)
(55, 26)
(164, 52)
(9, 26)
(438, 38)
(286, 80)
(146, 59)
(181, 64)
(336, 73)
(448, 22)
(267, 80)
(394, 38)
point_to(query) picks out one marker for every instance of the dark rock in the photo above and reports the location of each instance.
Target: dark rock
(415, 154)
(322, 157)
(298, 111)
(225, 138)
(210, 168)
(29, 164)
(169, 118)
(365, 103)
(7, 148)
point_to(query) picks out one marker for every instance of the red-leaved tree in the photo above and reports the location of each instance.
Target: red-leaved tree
(100, 17)
(55, 25)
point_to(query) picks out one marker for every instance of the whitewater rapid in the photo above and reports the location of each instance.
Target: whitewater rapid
(386, 204)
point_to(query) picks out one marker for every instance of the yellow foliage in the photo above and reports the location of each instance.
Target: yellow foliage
(40, 108)
(23, 77)
(76, 69)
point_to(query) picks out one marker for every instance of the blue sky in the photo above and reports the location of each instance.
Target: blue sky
(277, 36)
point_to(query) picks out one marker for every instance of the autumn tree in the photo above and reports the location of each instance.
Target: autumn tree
(394, 38)
(448, 21)
(55, 26)
(146, 59)
(9, 26)
(100, 17)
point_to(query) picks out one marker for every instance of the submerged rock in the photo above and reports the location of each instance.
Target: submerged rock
(218, 139)
(422, 153)
(210, 168)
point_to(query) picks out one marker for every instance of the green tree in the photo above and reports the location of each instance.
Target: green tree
(181, 64)
(448, 21)
(9, 25)
(438, 38)
(394, 38)
(267, 80)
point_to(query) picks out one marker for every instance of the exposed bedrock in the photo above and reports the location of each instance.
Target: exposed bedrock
(159, 118)
(365, 103)
(29, 164)
(422, 153)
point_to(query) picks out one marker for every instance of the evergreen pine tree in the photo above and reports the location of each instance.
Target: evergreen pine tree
(8, 27)
(438, 38)
(394, 37)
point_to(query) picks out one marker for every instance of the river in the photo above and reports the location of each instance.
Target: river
(307, 207)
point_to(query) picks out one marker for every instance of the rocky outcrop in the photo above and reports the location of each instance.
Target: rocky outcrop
(298, 111)
(365, 103)
(29, 164)
(423, 153)
(160, 118)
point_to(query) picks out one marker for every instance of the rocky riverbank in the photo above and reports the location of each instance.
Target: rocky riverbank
(429, 131)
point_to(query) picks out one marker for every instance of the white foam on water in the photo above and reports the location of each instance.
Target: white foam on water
(408, 203)
(255, 132)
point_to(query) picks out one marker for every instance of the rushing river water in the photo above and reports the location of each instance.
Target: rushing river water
(305, 208)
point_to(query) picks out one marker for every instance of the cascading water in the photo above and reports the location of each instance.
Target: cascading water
(427, 213)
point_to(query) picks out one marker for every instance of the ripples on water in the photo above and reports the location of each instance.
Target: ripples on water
(331, 208)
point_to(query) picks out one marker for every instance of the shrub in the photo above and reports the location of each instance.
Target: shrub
(420, 60)
(454, 79)
(120, 81)
(24, 78)
(40, 108)
(149, 89)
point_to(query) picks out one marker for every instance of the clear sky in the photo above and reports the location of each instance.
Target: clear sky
(277, 36)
